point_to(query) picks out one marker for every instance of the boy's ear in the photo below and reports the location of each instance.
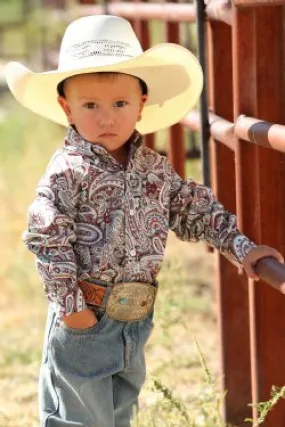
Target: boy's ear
(64, 105)
(144, 98)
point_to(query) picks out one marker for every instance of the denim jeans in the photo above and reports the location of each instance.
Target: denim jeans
(92, 377)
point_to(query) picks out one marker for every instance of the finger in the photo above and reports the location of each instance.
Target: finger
(280, 258)
(277, 255)
(250, 271)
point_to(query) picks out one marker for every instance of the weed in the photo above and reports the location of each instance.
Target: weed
(263, 408)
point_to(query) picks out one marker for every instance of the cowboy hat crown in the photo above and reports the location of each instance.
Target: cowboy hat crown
(105, 40)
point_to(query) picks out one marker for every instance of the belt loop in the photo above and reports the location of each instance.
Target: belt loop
(106, 296)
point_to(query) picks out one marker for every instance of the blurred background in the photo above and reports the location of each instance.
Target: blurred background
(30, 32)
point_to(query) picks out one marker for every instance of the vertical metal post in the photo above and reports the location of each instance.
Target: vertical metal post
(145, 42)
(106, 9)
(142, 30)
(258, 48)
(136, 24)
(270, 305)
(232, 291)
(247, 174)
(205, 134)
(176, 145)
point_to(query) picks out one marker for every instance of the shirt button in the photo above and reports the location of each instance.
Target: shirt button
(133, 252)
(132, 212)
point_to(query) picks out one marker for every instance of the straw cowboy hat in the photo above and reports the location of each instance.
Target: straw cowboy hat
(104, 43)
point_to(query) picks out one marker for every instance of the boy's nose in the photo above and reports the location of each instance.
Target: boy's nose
(106, 120)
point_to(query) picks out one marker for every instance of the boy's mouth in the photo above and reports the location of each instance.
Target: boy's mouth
(107, 135)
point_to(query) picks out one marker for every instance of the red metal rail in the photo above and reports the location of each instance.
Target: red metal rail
(172, 12)
(259, 132)
(221, 130)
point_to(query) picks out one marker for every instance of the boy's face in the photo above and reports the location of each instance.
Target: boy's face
(104, 108)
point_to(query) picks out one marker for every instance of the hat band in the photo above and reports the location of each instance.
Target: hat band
(101, 50)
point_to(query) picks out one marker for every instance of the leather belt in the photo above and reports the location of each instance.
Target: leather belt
(93, 293)
(127, 301)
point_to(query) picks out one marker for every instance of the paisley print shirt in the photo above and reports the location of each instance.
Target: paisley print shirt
(94, 218)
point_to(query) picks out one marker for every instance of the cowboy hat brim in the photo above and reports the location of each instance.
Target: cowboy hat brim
(172, 74)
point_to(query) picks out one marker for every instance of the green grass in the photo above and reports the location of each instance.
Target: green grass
(11, 11)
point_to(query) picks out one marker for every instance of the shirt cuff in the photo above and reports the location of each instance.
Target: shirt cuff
(74, 302)
(241, 247)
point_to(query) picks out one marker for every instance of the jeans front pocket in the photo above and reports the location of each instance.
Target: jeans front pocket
(86, 331)
(93, 352)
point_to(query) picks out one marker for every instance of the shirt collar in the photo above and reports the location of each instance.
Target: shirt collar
(75, 142)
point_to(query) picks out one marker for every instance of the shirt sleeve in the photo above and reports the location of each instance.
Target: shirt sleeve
(196, 215)
(51, 234)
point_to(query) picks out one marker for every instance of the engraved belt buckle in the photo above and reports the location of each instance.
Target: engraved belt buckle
(130, 301)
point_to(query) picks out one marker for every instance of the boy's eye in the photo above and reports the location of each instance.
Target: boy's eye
(120, 104)
(90, 105)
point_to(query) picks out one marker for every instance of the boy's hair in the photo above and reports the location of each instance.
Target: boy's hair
(60, 86)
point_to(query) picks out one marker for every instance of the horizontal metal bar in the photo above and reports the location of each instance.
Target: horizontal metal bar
(273, 272)
(172, 12)
(256, 3)
(192, 121)
(261, 133)
(268, 269)
(249, 129)
(220, 129)
(220, 10)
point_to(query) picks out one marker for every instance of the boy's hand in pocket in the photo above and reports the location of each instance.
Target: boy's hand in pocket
(82, 320)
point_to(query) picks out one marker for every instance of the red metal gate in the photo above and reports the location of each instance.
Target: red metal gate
(247, 62)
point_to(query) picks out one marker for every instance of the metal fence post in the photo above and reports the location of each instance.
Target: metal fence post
(205, 135)
(232, 291)
(258, 50)
(176, 143)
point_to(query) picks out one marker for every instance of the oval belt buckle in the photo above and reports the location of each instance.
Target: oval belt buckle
(130, 301)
